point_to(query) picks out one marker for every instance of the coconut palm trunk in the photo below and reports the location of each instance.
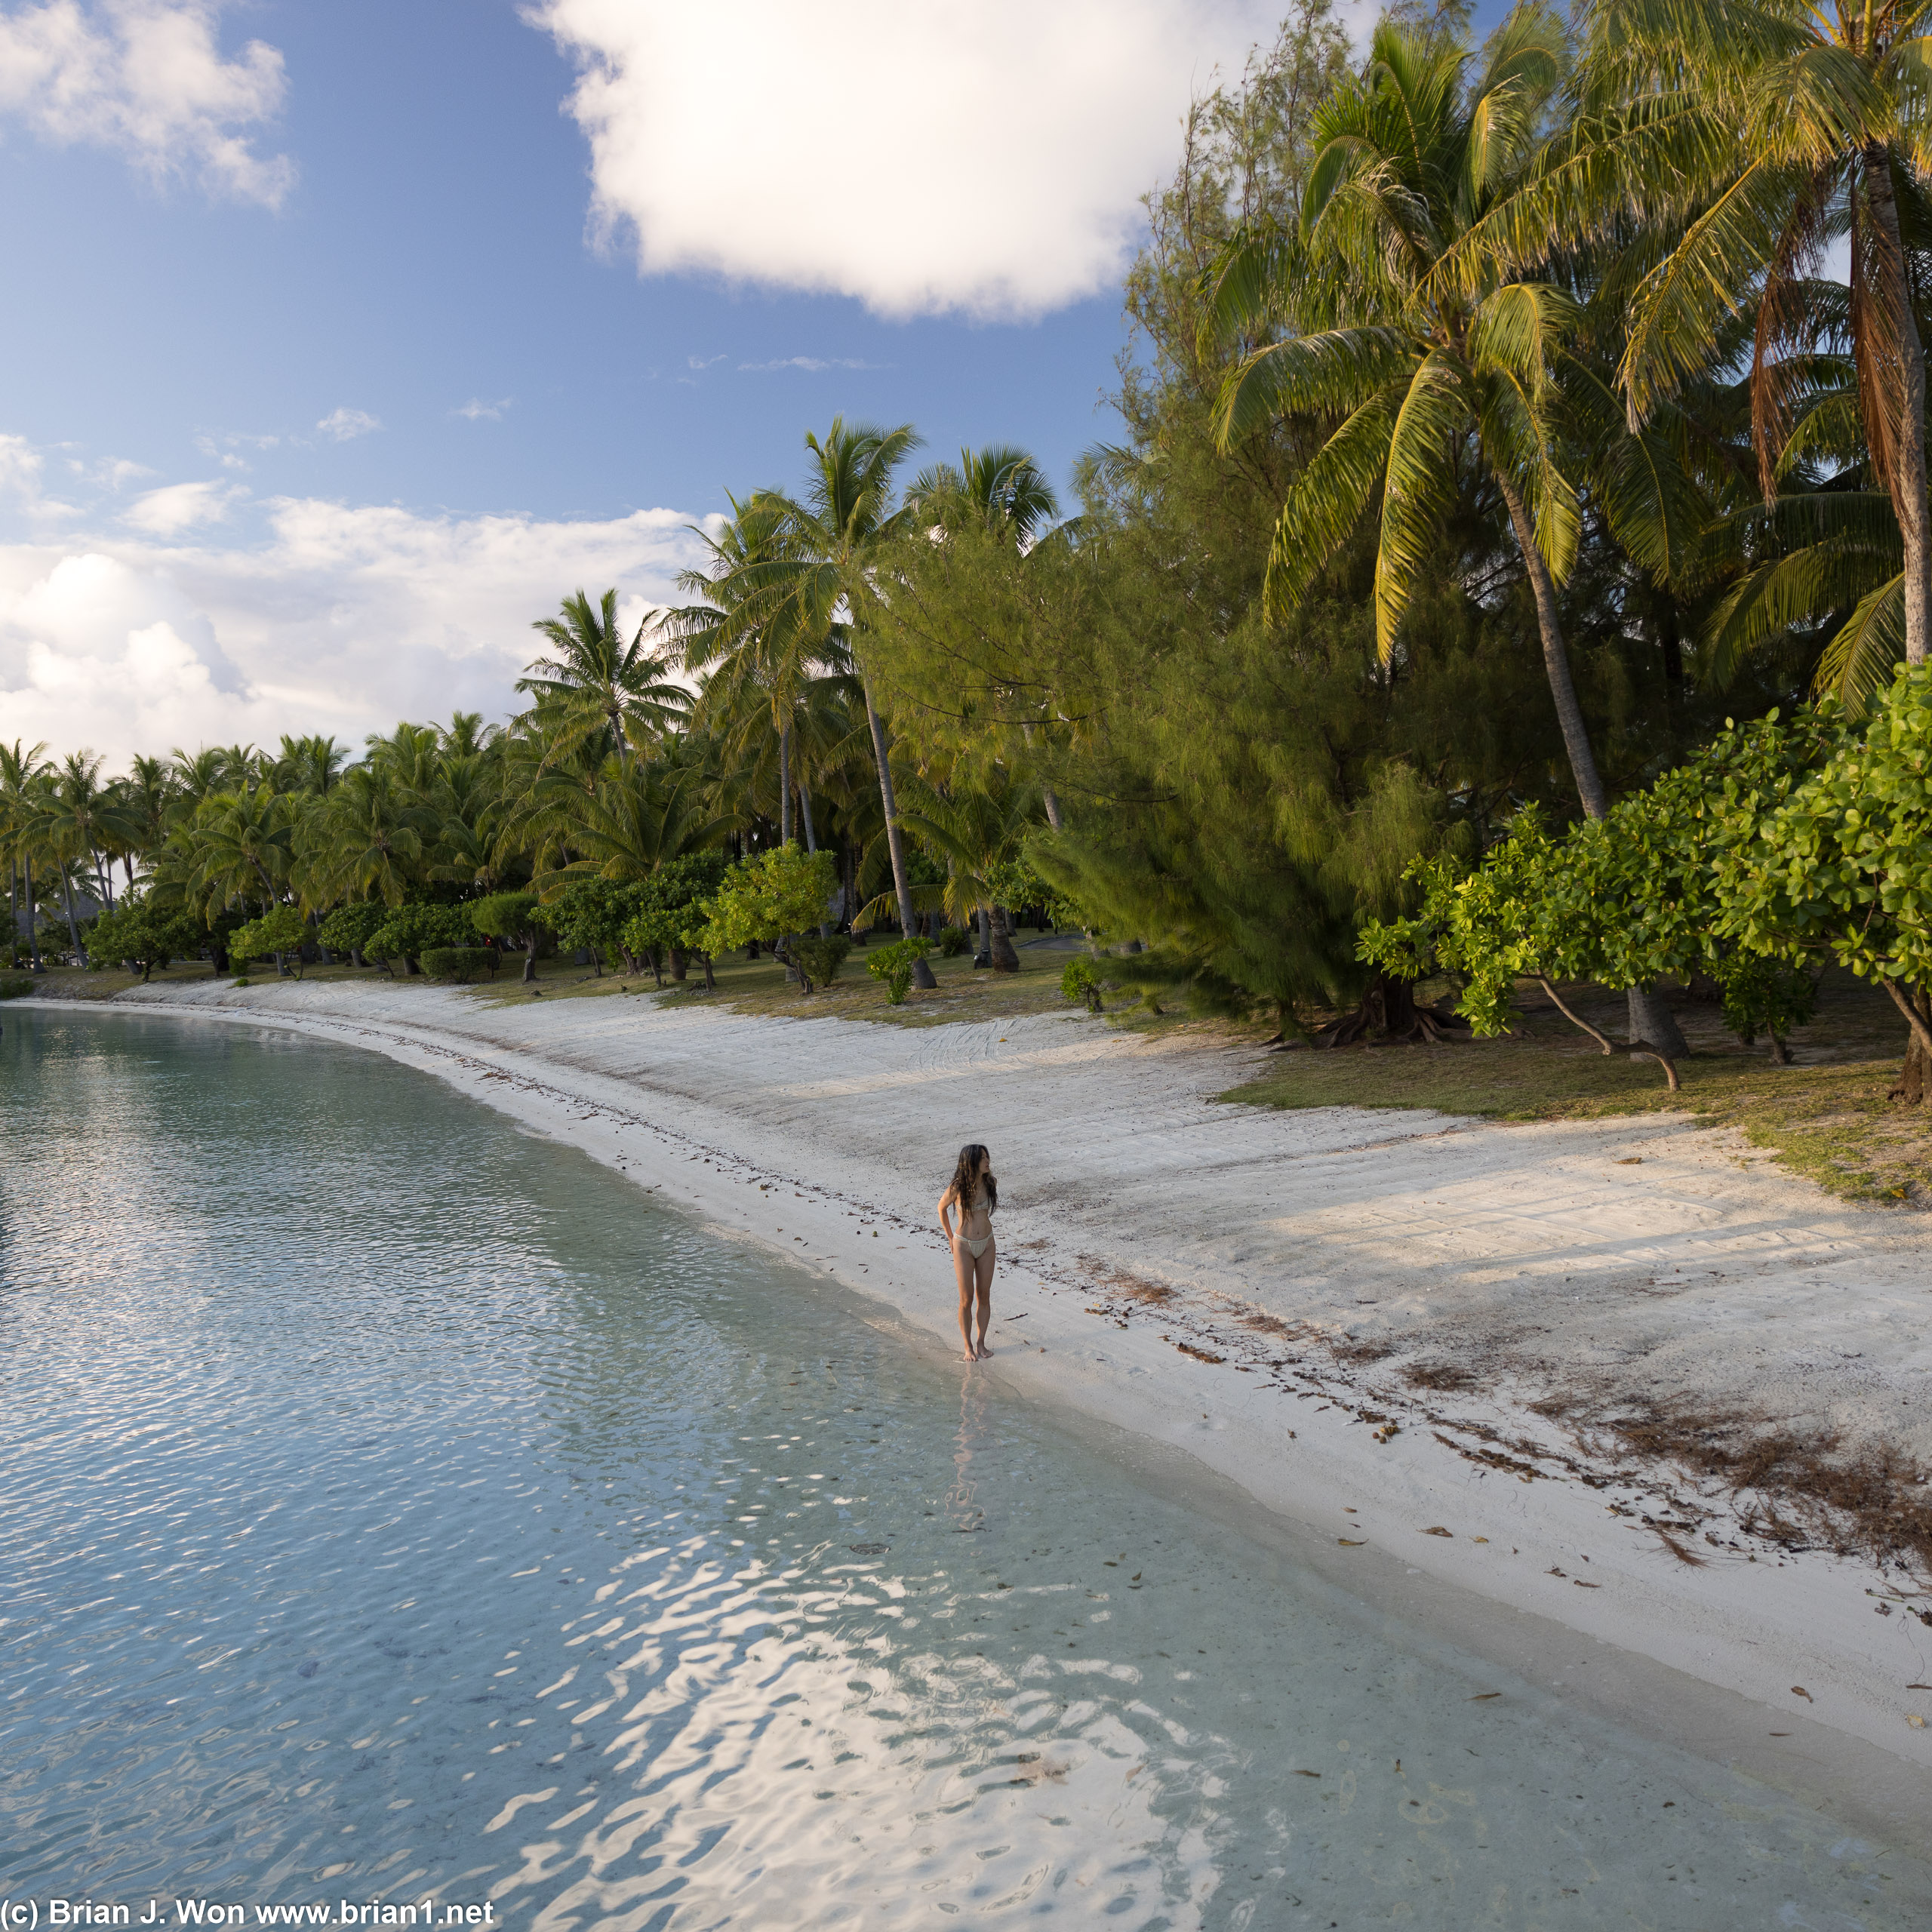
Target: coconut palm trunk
(1004, 958)
(811, 840)
(785, 784)
(1908, 477)
(67, 905)
(1651, 1020)
(33, 919)
(909, 920)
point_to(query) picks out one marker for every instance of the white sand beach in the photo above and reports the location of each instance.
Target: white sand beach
(1260, 1289)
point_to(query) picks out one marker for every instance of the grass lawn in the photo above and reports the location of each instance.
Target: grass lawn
(1826, 1116)
(759, 985)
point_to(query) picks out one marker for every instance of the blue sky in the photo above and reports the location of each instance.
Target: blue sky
(347, 338)
(432, 254)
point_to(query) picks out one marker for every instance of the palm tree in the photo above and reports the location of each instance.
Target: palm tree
(369, 837)
(1000, 485)
(1408, 160)
(195, 778)
(593, 681)
(18, 769)
(758, 656)
(836, 530)
(240, 843)
(1422, 367)
(631, 824)
(1758, 131)
(148, 792)
(978, 829)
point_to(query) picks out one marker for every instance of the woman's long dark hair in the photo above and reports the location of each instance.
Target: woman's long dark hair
(966, 1182)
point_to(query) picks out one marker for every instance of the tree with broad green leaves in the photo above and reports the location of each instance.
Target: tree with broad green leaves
(1838, 864)
(770, 896)
(350, 928)
(515, 917)
(142, 935)
(277, 933)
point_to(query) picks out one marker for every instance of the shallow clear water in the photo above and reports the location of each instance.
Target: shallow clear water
(396, 1506)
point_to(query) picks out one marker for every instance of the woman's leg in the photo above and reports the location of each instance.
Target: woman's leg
(982, 1274)
(967, 1269)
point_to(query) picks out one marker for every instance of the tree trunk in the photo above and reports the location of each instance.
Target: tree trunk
(529, 960)
(33, 922)
(811, 840)
(922, 974)
(1907, 476)
(1670, 640)
(1004, 959)
(984, 951)
(1052, 804)
(784, 785)
(73, 927)
(1916, 1005)
(1556, 658)
(680, 964)
(1651, 1019)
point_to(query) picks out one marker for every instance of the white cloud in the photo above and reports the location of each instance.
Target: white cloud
(20, 468)
(477, 410)
(179, 506)
(340, 619)
(147, 78)
(813, 363)
(113, 472)
(987, 159)
(344, 425)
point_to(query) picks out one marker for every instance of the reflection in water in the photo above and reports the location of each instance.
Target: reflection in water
(975, 1438)
(395, 1505)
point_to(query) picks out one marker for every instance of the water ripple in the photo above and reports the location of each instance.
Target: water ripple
(393, 1506)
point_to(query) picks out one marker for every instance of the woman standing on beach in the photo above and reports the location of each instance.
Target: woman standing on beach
(975, 1193)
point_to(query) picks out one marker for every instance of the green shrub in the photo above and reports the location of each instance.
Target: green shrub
(281, 930)
(894, 965)
(462, 963)
(136, 934)
(409, 931)
(1081, 982)
(350, 928)
(15, 986)
(954, 940)
(821, 959)
(240, 980)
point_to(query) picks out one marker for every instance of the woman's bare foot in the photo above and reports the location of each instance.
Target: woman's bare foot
(984, 1351)
(970, 1356)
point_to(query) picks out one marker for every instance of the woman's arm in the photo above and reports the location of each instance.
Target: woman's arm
(945, 1216)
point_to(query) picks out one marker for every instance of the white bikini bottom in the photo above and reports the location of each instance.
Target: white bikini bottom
(976, 1248)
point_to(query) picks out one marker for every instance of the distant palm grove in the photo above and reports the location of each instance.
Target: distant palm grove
(1513, 563)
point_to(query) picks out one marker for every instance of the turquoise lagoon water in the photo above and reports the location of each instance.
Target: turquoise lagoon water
(398, 1507)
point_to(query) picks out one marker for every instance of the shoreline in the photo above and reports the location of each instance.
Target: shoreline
(1224, 1281)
